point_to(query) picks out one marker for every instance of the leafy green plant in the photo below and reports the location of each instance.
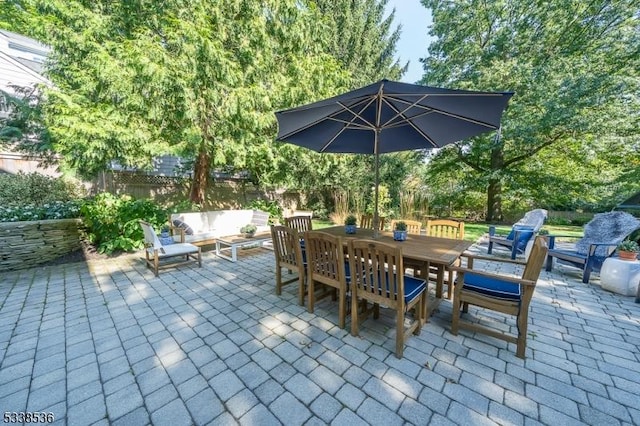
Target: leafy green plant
(629, 245)
(401, 226)
(248, 229)
(350, 220)
(271, 207)
(37, 190)
(29, 212)
(184, 206)
(112, 222)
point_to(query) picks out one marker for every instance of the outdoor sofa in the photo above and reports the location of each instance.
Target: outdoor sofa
(203, 228)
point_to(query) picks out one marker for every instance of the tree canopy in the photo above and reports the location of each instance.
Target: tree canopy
(574, 68)
(200, 79)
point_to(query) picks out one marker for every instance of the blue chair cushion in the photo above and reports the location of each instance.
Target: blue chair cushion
(493, 287)
(524, 235)
(412, 287)
(582, 258)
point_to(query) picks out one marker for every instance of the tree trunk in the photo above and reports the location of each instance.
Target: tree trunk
(201, 170)
(494, 191)
(494, 200)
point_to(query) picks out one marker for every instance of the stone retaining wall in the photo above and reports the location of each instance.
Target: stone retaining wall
(26, 244)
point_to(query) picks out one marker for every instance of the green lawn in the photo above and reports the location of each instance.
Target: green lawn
(473, 231)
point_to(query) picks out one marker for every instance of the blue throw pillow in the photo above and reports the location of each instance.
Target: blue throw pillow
(518, 228)
(524, 235)
(165, 241)
(180, 224)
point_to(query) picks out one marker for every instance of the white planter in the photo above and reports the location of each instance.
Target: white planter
(620, 276)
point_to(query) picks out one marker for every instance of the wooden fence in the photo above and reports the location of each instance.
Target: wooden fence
(221, 193)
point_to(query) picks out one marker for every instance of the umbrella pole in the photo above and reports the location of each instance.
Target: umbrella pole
(376, 218)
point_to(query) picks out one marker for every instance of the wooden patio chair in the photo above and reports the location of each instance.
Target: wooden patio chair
(445, 228)
(299, 223)
(155, 251)
(366, 222)
(377, 276)
(288, 254)
(326, 265)
(414, 227)
(506, 294)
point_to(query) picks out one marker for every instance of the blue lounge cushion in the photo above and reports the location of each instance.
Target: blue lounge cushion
(180, 224)
(492, 286)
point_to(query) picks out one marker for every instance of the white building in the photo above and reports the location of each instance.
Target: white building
(21, 63)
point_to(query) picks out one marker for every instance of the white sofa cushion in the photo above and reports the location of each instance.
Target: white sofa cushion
(221, 223)
(198, 221)
(228, 222)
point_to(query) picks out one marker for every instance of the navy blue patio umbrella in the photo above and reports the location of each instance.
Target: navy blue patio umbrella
(390, 116)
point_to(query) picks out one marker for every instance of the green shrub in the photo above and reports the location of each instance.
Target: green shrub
(184, 206)
(34, 189)
(112, 222)
(558, 221)
(54, 210)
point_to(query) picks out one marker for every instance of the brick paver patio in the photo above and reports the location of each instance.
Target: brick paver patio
(108, 343)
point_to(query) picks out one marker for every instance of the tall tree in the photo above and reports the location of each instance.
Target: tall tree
(139, 78)
(570, 63)
(364, 42)
(362, 39)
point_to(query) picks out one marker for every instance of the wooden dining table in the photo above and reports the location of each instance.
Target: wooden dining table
(416, 249)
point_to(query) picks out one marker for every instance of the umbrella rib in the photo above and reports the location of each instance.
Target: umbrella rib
(424, 135)
(427, 110)
(346, 123)
(330, 117)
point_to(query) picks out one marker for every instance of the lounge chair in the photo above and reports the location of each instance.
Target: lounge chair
(601, 237)
(155, 251)
(520, 234)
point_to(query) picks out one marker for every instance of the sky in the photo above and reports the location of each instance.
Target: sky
(414, 37)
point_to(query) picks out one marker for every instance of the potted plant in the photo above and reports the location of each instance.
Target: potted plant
(400, 231)
(165, 236)
(248, 230)
(350, 224)
(628, 250)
